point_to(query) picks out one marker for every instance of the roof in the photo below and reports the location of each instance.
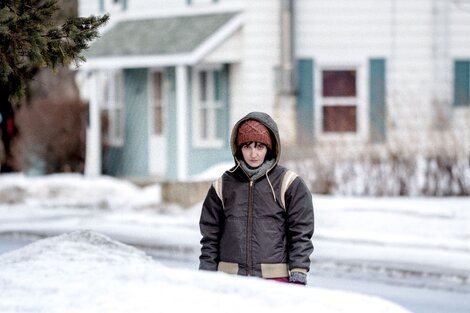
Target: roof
(174, 39)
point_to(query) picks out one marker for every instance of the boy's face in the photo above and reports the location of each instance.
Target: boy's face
(254, 153)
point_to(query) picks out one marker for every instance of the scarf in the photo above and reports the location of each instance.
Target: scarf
(256, 172)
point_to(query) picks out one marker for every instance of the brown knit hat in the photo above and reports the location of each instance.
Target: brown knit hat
(252, 130)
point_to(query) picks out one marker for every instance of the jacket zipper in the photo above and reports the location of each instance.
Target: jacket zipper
(249, 230)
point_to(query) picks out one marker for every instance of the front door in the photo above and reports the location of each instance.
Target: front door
(157, 157)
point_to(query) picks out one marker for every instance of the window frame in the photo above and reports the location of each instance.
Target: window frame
(213, 139)
(358, 101)
(162, 105)
(112, 105)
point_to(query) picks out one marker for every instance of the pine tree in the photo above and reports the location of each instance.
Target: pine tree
(29, 41)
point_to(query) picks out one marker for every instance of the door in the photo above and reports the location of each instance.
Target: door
(158, 127)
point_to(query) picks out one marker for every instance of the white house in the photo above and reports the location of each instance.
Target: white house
(172, 76)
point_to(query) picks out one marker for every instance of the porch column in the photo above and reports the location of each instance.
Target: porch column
(182, 121)
(93, 131)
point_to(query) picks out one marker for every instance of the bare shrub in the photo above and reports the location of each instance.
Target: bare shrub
(53, 135)
(392, 175)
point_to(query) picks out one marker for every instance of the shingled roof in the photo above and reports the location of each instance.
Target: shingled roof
(157, 36)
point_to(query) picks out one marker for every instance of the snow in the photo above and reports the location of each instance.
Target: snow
(424, 237)
(391, 176)
(75, 190)
(213, 172)
(88, 272)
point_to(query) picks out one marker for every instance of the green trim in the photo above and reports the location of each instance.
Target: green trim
(461, 83)
(220, 89)
(136, 135)
(306, 99)
(377, 99)
(131, 160)
(172, 170)
(200, 159)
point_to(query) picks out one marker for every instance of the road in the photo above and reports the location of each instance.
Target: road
(415, 299)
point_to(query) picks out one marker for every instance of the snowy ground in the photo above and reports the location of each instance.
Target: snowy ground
(88, 272)
(418, 241)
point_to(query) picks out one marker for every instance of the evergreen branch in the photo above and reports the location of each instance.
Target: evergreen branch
(29, 41)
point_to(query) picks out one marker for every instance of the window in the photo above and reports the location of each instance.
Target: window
(112, 6)
(461, 83)
(113, 107)
(339, 101)
(200, 2)
(208, 105)
(158, 105)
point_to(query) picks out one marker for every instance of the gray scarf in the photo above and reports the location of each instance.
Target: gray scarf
(259, 171)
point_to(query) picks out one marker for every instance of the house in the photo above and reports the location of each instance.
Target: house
(168, 78)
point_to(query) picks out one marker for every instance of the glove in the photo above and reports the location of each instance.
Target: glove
(298, 278)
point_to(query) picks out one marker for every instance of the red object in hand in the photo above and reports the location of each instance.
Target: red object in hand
(280, 279)
(10, 126)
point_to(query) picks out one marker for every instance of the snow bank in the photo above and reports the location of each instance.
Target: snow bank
(76, 191)
(88, 272)
(213, 172)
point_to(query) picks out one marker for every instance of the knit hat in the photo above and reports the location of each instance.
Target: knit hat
(252, 130)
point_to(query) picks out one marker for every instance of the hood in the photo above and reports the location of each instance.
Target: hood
(267, 121)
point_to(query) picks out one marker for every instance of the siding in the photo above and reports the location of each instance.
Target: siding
(88, 7)
(377, 98)
(131, 160)
(398, 30)
(419, 47)
(172, 148)
(459, 29)
(260, 54)
(305, 99)
(136, 143)
(328, 28)
(203, 158)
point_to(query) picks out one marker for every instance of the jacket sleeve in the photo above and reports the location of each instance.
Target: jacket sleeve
(210, 225)
(300, 224)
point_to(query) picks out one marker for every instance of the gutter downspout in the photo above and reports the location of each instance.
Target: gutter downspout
(286, 88)
(287, 70)
(440, 64)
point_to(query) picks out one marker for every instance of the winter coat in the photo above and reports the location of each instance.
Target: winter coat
(246, 230)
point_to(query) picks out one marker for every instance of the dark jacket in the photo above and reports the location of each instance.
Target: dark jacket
(246, 230)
